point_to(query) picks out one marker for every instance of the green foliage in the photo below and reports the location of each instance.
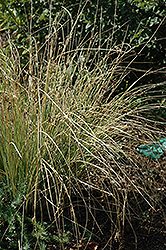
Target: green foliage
(17, 229)
(121, 24)
(27, 17)
(64, 238)
(65, 130)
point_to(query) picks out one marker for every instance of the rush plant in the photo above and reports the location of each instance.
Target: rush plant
(68, 139)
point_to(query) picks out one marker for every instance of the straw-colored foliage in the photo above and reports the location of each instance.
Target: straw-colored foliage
(66, 135)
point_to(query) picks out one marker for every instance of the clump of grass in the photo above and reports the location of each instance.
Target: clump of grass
(68, 142)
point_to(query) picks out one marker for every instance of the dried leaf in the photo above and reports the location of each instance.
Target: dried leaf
(117, 236)
(93, 246)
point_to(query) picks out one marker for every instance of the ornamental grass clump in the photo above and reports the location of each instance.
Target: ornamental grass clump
(69, 140)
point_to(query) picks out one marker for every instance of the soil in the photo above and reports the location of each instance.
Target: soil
(145, 228)
(148, 233)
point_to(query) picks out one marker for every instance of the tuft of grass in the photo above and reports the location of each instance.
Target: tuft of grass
(68, 140)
